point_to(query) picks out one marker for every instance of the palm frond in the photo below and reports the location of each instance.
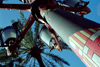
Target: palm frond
(12, 21)
(12, 62)
(40, 44)
(26, 59)
(22, 51)
(60, 63)
(36, 32)
(20, 25)
(18, 65)
(48, 62)
(34, 62)
(23, 17)
(56, 58)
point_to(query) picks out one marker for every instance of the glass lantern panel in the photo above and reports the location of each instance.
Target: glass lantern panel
(9, 33)
(45, 35)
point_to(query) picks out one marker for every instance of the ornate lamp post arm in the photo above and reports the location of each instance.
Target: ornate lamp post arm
(26, 27)
(25, 7)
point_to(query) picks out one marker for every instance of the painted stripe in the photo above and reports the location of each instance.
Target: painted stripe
(80, 38)
(85, 33)
(86, 63)
(96, 29)
(90, 60)
(82, 35)
(92, 30)
(76, 43)
(88, 31)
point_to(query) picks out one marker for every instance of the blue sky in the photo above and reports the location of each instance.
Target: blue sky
(6, 16)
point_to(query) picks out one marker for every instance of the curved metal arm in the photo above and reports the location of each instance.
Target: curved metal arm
(53, 33)
(84, 10)
(26, 27)
(25, 7)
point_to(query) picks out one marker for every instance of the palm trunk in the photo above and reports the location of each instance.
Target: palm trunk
(39, 59)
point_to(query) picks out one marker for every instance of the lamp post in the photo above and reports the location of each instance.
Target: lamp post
(81, 34)
(76, 3)
(68, 26)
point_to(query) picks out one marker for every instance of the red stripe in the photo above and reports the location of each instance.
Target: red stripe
(83, 36)
(96, 29)
(78, 40)
(89, 32)
(88, 61)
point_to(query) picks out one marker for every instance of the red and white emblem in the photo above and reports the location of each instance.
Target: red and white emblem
(86, 44)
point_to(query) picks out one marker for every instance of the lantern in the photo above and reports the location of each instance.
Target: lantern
(9, 34)
(76, 3)
(46, 37)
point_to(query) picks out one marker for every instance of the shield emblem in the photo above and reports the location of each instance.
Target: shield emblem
(86, 44)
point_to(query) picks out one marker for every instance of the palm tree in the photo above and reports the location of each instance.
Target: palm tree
(8, 61)
(32, 51)
(33, 48)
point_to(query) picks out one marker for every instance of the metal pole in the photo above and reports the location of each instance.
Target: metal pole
(81, 34)
(24, 7)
